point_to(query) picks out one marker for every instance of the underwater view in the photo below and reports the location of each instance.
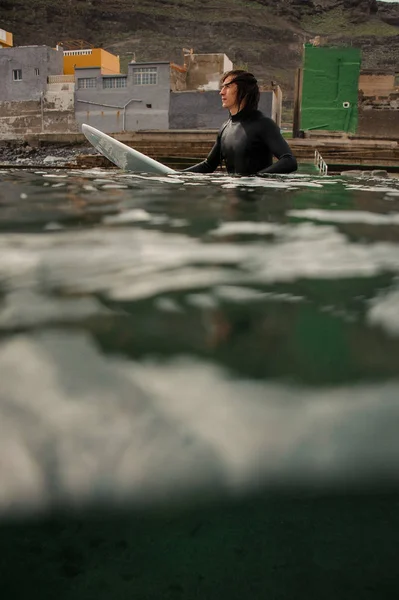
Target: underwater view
(199, 385)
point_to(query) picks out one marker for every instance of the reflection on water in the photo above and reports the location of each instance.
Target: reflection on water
(174, 341)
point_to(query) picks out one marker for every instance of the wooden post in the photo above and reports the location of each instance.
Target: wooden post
(296, 123)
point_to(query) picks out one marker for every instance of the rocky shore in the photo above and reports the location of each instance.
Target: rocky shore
(22, 154)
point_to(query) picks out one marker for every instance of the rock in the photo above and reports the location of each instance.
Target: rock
(379, 173)
(53, 159)
(352, 173)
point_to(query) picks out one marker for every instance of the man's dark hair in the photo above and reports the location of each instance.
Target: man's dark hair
(247, 88)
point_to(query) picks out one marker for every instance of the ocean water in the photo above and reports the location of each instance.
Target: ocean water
(211, 364)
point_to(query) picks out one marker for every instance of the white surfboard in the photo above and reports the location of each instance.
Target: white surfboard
(123, 156)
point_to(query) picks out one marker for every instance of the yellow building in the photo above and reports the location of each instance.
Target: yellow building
(91, 57)
(5, 39)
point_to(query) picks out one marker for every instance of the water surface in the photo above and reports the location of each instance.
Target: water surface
(165, 336)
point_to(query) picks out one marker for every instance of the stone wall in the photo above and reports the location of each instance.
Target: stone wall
(379, 118)
(18, 119)
(374, 84)
(203, 110)
(378, 106)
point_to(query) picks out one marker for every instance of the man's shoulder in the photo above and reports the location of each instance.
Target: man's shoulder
(224, 125)
(262, 117)
(265, 121)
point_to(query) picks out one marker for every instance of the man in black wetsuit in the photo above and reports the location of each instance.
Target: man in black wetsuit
(248, 141)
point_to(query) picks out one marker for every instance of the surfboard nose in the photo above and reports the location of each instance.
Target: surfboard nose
(91, 134)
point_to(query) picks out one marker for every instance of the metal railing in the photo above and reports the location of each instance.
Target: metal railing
(320, 163)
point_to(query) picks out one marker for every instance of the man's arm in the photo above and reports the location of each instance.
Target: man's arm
(286, 162)
(212, 161)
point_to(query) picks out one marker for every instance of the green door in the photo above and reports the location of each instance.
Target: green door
(330, 88)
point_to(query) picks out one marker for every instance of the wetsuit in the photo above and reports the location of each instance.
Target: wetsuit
(247, 143)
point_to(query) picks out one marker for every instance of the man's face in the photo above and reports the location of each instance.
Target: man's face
(228, 93)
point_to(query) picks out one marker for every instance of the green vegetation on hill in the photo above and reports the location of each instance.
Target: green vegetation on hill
(335, 22)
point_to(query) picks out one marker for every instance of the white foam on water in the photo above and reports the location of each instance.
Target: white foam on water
(201, 300)
(257, 183)
(103, 182)
(132, 263)
(234, 293)
(239, 294)
(25, 308)
(53, 226)
(308, 184)
(129, 216)
(55, 176)
(167, 305)
(162, 179)
(178, 222)
(246, 227)
(372, 188)
(181, 279)
(346, 216)
(384, 312)
(114, 186)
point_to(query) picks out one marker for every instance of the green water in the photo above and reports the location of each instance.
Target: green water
(199, 388)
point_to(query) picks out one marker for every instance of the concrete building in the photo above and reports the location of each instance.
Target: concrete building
(108, 63)
(157, 95)
(35, 97)
(6, 39)
(203, 109)
(38, 98)
(24, 71)
(113, 103)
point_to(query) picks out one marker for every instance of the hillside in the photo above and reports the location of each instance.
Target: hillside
(265, 36)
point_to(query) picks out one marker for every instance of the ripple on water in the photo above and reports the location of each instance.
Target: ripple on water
(161, 336)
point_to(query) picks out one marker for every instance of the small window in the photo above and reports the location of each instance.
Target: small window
(87, 82)
(145, 76)
(114, 82)
(17, 75)
(149, 105)
(37, 72)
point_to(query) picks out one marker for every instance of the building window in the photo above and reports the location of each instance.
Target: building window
(37, 72)
(114, 82)
(17, 75)
(87, 82)
(145, 75)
